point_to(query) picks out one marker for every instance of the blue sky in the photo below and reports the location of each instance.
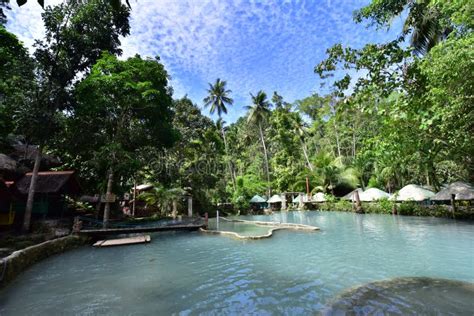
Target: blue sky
(253, 45)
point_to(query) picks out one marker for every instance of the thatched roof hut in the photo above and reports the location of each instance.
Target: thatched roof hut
(373, 194)
(413, 192)
(275, 199)
(257, 199)
(350, 196)
(50, 182)
(463, 191)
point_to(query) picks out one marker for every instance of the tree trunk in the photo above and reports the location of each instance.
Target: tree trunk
(267, 169)
(107, 196)
(353, 141)
(31, 191)
(305, 152)
(229, 163)
(337, 140)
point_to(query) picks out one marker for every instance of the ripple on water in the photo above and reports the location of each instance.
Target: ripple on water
(291, 273)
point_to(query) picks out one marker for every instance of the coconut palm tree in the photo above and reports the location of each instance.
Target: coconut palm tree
(301, 131)
(424, 21)
(218, 97)
(258, 113)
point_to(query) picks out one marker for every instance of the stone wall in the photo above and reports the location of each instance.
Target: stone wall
(20, 260)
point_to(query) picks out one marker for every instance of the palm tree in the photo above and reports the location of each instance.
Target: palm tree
(425, 23)
(218, 97)
(258, 113)
(162, 198)
(301, 130)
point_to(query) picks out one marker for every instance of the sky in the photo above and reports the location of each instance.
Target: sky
(267, 45)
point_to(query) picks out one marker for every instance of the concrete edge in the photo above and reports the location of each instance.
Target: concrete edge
(275, 226)
(20, 260)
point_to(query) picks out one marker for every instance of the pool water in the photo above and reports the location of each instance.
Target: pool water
(293, 272)
(243, 229)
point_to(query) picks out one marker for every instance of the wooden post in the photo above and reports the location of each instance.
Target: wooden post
(134, 196)
(394, 209)
(174, 213)
(453, 203)
(190, 206)
(307, 188)
(107, 197)
(358, 205)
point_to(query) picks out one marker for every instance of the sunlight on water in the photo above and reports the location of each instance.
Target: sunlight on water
(290, 273)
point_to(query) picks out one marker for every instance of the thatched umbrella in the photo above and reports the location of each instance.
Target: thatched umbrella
(463, 191)
(373, 194)
(257, 199)
(350, 196)
(413, 192)
(275, 199)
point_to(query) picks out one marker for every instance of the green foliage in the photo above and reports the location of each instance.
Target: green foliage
(126, 105)
(161, 198)
(247, 186)
(16, 81)
(218, 97)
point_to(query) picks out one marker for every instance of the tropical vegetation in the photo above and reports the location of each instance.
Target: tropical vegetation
(402, 112)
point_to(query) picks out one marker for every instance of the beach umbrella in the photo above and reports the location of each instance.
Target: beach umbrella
(413, 192)
(463, 191)
(275, 199)
(373, 194)
(350, 196)
(257, 199)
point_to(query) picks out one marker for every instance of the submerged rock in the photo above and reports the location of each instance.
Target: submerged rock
(406, 296)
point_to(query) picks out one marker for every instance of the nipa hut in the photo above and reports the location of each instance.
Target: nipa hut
(52, 187)
(462, 192)
(413, 192)
(373, 194)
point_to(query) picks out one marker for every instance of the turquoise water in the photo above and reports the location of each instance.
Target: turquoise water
(243, 229)
(292, 272)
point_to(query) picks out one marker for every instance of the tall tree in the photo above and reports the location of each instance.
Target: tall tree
(425, 23)
(126, 105)
(258, 114)
(218, 98)
(76, 34)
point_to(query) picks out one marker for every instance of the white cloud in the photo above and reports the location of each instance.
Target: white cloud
(254, 44)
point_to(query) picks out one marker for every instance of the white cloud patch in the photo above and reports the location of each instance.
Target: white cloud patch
(269, 45)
